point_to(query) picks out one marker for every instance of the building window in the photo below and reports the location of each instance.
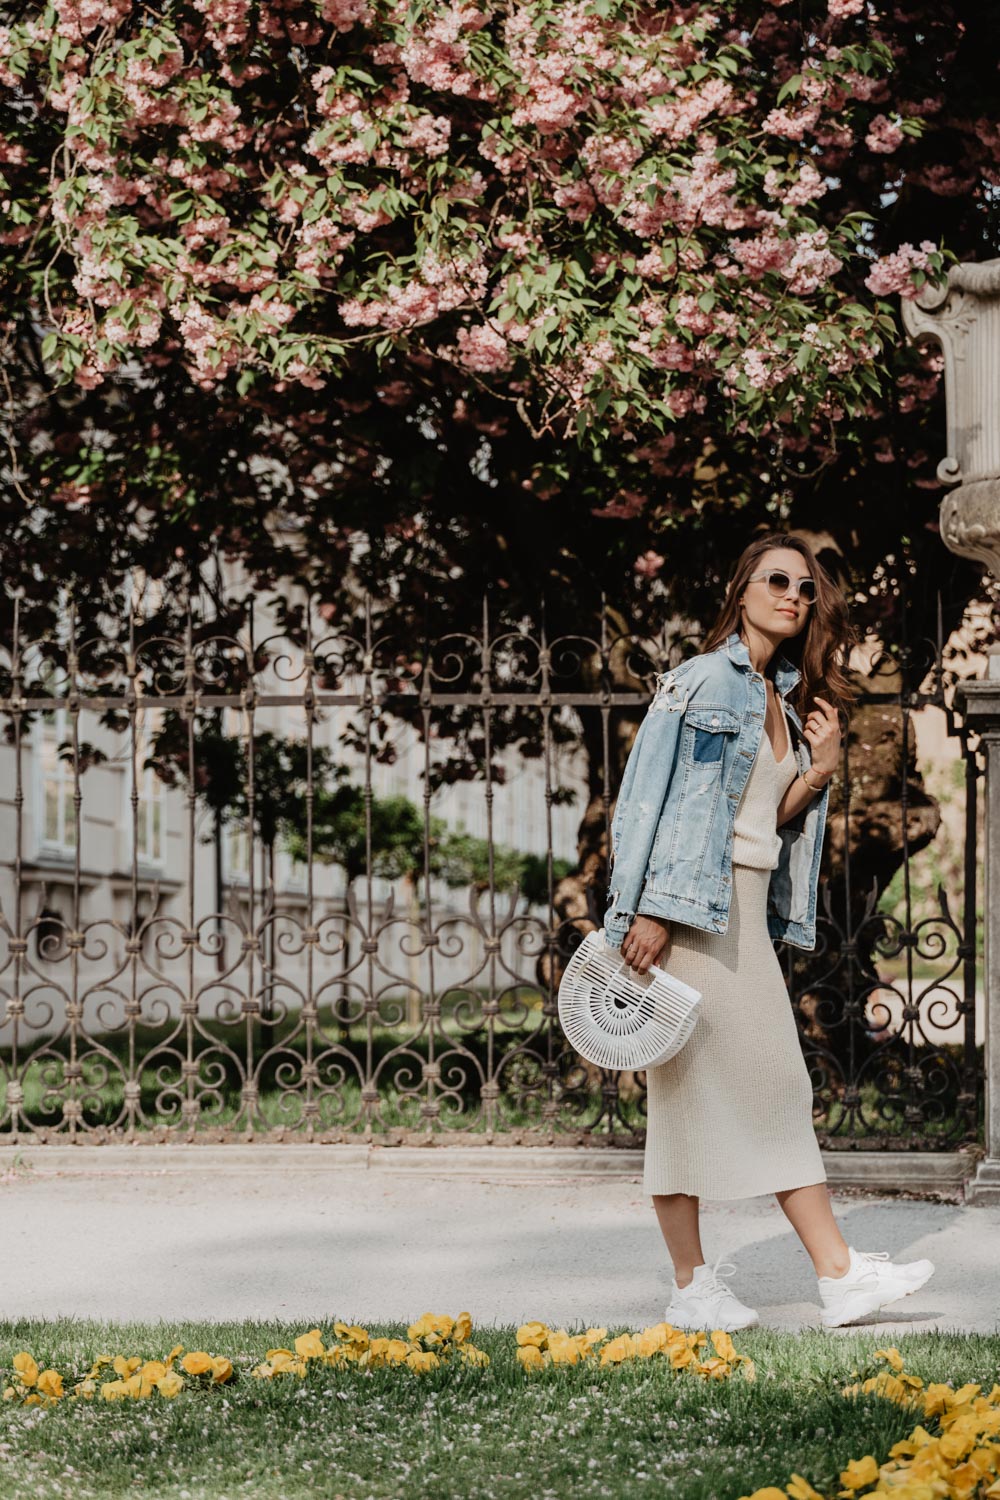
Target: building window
(56, 821)
(149, 829)
(236, 855)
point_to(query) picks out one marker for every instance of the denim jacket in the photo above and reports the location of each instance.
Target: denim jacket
(672, 830)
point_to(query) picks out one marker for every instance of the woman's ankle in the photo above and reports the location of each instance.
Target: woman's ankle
(684, 1276)
(834, 1265)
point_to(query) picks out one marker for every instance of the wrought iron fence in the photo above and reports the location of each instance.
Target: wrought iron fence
(213, 928)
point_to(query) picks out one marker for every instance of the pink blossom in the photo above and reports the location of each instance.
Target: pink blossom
(345, 14)
(78, 18)
(811, 263)
(807, 188)
(883, 136)
(793, 125)
(893, 274)
(481, 348)
(680, 115)
(766, 252)
(840, 10)
(623, 506)
(649, 564)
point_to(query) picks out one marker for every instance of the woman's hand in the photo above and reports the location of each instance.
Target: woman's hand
(822, 730)
(645, 940)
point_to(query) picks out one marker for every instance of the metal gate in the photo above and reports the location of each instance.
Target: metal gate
(225, 914)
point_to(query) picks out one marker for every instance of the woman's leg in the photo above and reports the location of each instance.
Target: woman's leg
(810, 1213)
(678, 1216)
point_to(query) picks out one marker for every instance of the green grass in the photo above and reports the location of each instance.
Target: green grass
(459, 1432)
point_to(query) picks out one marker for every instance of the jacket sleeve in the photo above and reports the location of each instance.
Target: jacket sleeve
(640, 802)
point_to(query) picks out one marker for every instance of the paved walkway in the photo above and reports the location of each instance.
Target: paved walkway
(313, 1233)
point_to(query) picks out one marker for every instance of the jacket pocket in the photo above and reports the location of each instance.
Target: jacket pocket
(708, 725)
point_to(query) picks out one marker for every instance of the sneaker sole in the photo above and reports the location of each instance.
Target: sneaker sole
(842, 1322)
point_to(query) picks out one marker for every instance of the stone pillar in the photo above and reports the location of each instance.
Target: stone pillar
(978, 700)
(963, 317)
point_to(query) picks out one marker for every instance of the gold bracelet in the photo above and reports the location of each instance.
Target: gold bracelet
(808, 783)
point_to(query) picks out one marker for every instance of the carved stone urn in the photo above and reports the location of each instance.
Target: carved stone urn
(963, 317)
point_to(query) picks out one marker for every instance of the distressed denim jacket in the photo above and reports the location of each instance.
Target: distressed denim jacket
(672, 830)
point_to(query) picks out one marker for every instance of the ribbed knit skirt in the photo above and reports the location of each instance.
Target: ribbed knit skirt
(731, 1115)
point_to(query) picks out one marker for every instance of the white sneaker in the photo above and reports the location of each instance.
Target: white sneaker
(872, 1281)
(707, 1302)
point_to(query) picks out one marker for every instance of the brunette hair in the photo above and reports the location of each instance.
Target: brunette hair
(821, 649)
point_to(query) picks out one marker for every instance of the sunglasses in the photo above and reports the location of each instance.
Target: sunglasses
(778, 584)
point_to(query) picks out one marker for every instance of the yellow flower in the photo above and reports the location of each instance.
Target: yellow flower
(422, 1360)
(859, 1472)
(310, 1345)
(533, 1333)
(714, 1368)
(681, 1356)
(651, 1341)
(618, 1349)
(770, 1493)
(196, 1363)
(892, 1357)
(50, 1383)
(26, 1368)
(937, 1398)
(113, 1390)
(123, 1366)
(907, 1447)
(564, 1351)
(472, 1355)
(177, 1349)
(10, 1393)
(432, 1326)
(463, 1328)
(593, 1336)
(222, 1369)
(351, 1334)
(170, 1384)
(340, 1354)
(153, 1370)
(531, 1357)
(952, 1446)
(723, 1344)
(801, 1489)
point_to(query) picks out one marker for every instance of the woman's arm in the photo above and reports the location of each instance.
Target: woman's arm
(640, 799)
(800, 794)
(822, 731)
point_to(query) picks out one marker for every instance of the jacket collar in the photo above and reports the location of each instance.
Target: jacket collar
(786, 674)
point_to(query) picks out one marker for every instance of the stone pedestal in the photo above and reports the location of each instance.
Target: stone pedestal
(963, 317)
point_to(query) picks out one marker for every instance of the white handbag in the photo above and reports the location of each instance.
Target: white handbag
(617, 1018)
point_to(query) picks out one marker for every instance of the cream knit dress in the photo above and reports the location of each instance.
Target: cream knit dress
(731, 1115)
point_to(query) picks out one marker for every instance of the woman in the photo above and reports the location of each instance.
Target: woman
(716, 844)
